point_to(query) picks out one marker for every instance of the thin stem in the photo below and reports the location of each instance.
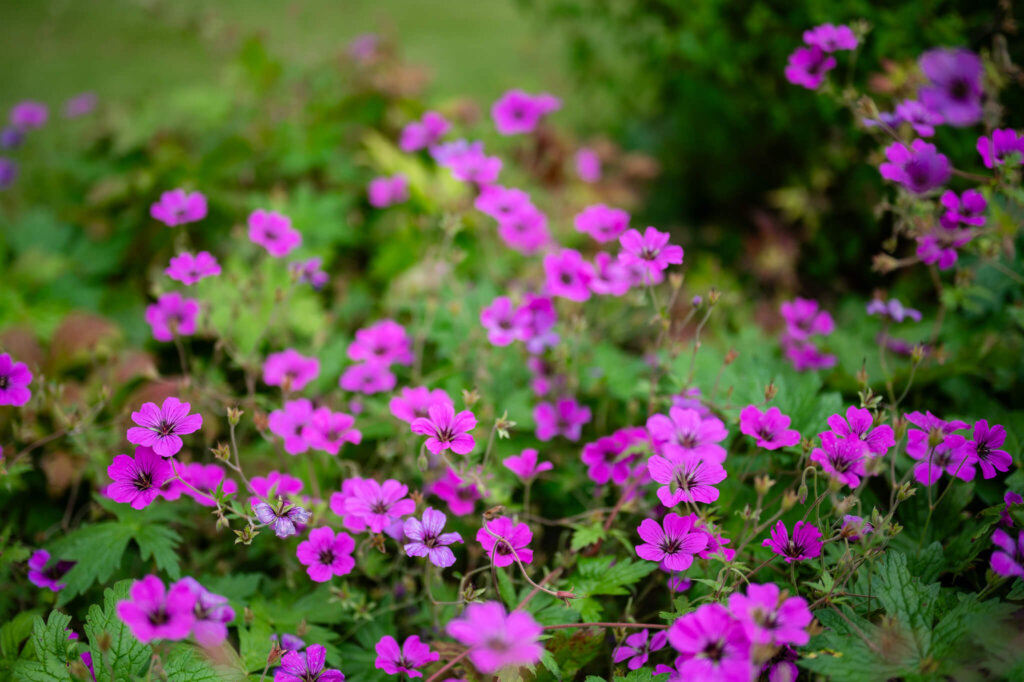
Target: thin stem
(447, 666)
(567, 626)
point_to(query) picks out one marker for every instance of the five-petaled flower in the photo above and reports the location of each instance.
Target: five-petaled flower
(673, 542)
(326, 554)
(395, 661)
(427, 538)
(805, 542)
(446, 430)
(161, 428)
(137, 480)
(496, 639)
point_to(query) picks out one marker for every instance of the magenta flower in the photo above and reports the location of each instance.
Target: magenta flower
(525, 465)
(601, 222)
(274, 232)
(841, 458)
(274, 484)
(831, 38)
(379, 505)
(804, 319)
(804, 355)
(931, 249)
(326, 554)
(289, 422)
(172, 314)
(189, 269)
(412, 655)
(14, 380)
(212, 614)
(637, 648)
(446, 430)
(161, 428)
(427, 538)
(922, 119)
(568, 275)
(588, 165)
(28, 115)
(285, 519)
(674, 545)
(611, 277)
(290, 369)
(564, 418)
(206, 478)
(1004, 146)
(502, 203)
(47, 577)
(713, 645)
(538, 332)
(154, 612)
(307, 666)
(854, 528)
(367, 378)
(468, 162)
(137, 480)
(526, 231)
(966, 209)
(609, 457)
(805, 543)
(517, 112)
(80, 105)
(986, 450)
(956, 85)
(894, 310)
(414, 402)
(716, 543)
(503, 321)
(424, 133)
(495, 639)
(178, 207)
(328, 431)
(807, 66)
(857, 426)
(685, 475)
(288, 642)
(1010, 498)
(385, 342)
(309, 272)
(651, 251)
(770, 428)
(1010, 561)
(770, 620)
(504, 540)
(460, 495)
(689, 430)
(919, 169)
(938, 449)
(383, 192)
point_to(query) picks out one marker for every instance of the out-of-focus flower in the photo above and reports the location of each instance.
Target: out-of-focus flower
(518, 112)
(497, 639)
(955, 87)
(919, 169)
(189, 269)
(387, 191)
(807, 66)
(171, 315)
(601, 222)
(274, 232)
(154, 612)
(178, 207)
(290, 369)
(423, 133)
(46, 575)
(565, 418)
(14, 380)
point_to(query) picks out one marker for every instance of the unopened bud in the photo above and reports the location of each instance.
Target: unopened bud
(770, 391)
(422, 461)
(221, 452)
(862, 376)
(762, 484)
(417, 497)
(494, 512)
(801, 493)
(713, 296)
(675, 280)
(302, 628)
(789, 500)
(234, 416)
(884, 263)
(275, 654)
(696, 301)
(917, 354)
(906, 491)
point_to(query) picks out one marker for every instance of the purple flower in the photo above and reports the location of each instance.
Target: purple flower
(212, 614)
(922, 119)
(601, 222)
(517, 112)
(14, 380)
(384, 342)
(274, 232)
(609, 457)
(857, 426)
(383, 192)
(205, 478)
(307, 666)
(526, 231)
(986, 449)
(290, 369)
(1010, 498)
(568, 275)
(424, 133)
(805, 543)
(328, 431)
(178, 207)
(288, 642)
(588, 165)
(831, 38)
(716, 543)
(769, 428)
(1010, 561)
(274, 484)
(161, 427)
(540, 321)
(503, 321)
(652, 250)
(854, 528)
(685, 475)
(804, 319)
(288, 424)
(937, 448)
(919, 169)
(189, 269)
(80, 105)
(769, 619)
(807, 66)
(841, 458)
(137, 480)
(415, 402)
(930, 249)
(564, 418)
(893, 309)
(805, 356)
(611, 277)
(501, 539)
(11, 138)
(955, 88)
(154, 612)
(172, 314)
(713, 646)
(427, 538)
(690, 431)
(309, 272)
(446, 430)
(395, 661)
(1004, 146)
(8, 172)
(674, 545)
(379, 505)
(29, 115)
(637, 649)
(502, 203)
(282, 517)
(967, 209)
(460, 495)
(367, 378)
(495, 639)
(326, 554)
(525, 465)
(468, 162)
(47, 578)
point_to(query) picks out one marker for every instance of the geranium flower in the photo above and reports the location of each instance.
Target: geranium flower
(689, 430)
(505, 538)
(564, 418)
(206, 478)
(326, 554)
(637, 648)
(517, 112)
(503, 321)
(672, 543)
(412, 655)
(841, 458)
(854, 528)
(804, 544)
(14, 380)
(588, 165)
(526, 231)
(805, 318)
(47, 577)
(367, 378)
(424, 133)
(161, 428)
(289, 422)
(568, 275)
(986, 446)
(652, 250)
(172, 314)
(274, 484)
(831, 38)
(502, 203)
(414, 402)
(468, 162)
(29, 115)
(956, 85)
(154, 612)
(769, 619)
(178, 207)
(919, 169)
(385, 342)
(461, 495)
(602, 222)
(212, 614)
(274, 232)
(922, 119)
(713, 646)
(1003, 145)
(770, 428)
(1010, 561)
(685, 476)
(308, 272)
(807, 66)
(607, 458)
(307, 666)
(290, 369)
(525, 465)
(427, 538)
(283, 518)
(894, 310)
(379, 505)
(189, 269)
(328, 431)
(611, 277)
(937, 448)
(497, 639)
(80, 105)
(539, 323)
(966, 209)
(387, 191)
(137, 480)
(446, 430)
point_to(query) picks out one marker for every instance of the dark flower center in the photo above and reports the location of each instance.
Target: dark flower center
(430, 541)
(503, 548)
(794, 549)
(917, 171)
(715, 651)
(326, 557)
(688, 440)
(4, 381)
(165, 428)
(379, 508)
(143, 481)
(960, 90)
(670, 545)
(158, 617)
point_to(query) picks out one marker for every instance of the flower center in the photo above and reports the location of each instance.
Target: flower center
(326, 557)
(143, 481)
(960, 90)
(4, 381)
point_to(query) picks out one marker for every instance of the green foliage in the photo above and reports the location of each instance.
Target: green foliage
(50, 646)
(605, 575)
(116, 653)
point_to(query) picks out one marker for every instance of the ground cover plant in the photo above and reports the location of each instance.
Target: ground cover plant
(318, 380)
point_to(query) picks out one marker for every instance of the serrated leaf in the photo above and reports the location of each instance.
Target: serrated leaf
(50, 644)
(584, 536)
(161, 543)
(960, 623)
(97, 549)
(14, 632)
(126, 656)
(547, 659)
(605, 575)
(904, 597)
(185, 663)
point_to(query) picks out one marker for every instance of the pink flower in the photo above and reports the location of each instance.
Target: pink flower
(153, 612)
(446, 430)
(385, 342)
(179, 207)
(378, 505)
(427, 538)
(504, 322)
(309, 272)
(608, 458)
(206, 478)
(539, 324)
(289, 422)
(831, 38)
(414, 402)
(328, 431)
(588, 165)
(637, 649)
(685, 476)
(424, 133)
(690, 431)
(47, 578)
(517, 112)
(290, 369)
(713, 646)
(504, 540)
(770, 620)
(526, 231)
(652, 250)
(601, 222)
(564, 418)
(1004, 146)
(502, 203)
(326, 554)
(611, 277)
(986, 450)
(212, 614)
(804, 544)
(273, 485)
(80, 105)
(274, 232)
(172, 314)
(568, 275)
(161, 427)
(770, 428)
(857, 426)
(28, 115)
(807, 66)
(383, 192)
(495, 639)
(937, 448)
(307, 666)
(137, 480)
(919, 169)
(1010, 561)
(674, 545)
(841, 458)
(525, 465)
(395, 661)
(804, 319)
(189, 269)
(461, 495)
(367, 378)
(14, 380)
(468, 162)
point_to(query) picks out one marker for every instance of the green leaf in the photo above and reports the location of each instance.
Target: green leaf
(97, 549)
(599, 575)
(506, 590)
(125, 656)
(547, 659)
(584, 536)
(963, 621)
(14, 632)
(161, 543)
(904, 597)
(50, 642)
(187, 664)
(642, 675)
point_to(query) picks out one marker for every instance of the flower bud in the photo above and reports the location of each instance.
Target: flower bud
(422, 461)
(730, 357)
(221, 452)
(917, 354)
(801, 493)
(906, 491)
(675, 280)
(789, 499)
(713, 296)
(234, 416)
(470, 398)
(762, 484)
